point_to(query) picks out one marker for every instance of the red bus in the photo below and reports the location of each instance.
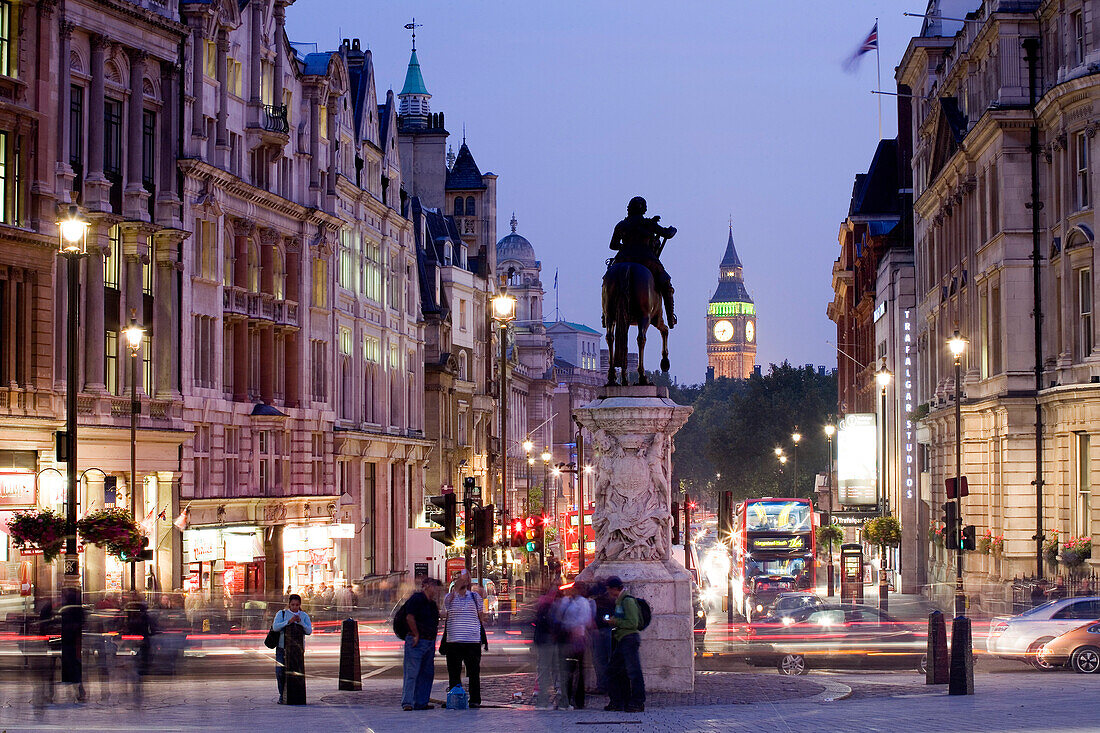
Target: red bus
(568, 521)
(773, 551)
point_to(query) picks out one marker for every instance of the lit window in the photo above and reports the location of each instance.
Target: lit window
(1082, 171)
(110, 371)
(112, 264)
(8, 64)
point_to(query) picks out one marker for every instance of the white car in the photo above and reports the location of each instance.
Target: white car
(1024, 636)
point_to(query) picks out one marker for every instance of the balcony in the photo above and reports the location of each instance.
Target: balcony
(234, 302)
(286, 313)
(275, 119)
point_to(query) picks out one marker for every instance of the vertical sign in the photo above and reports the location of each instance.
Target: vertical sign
(908, 471)
(857, 464)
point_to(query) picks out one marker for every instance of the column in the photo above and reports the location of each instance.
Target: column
(277, 41)
(64, 170)
(332, 138)
(97, 190)
(242, 230)
(168, 203)
(10, 323)
(291, 389)
(27, 313)
(222, 139)
(241, 357)
(94, 335)
(135, 251)
(136, 205)
(166, 316)
(198, 83)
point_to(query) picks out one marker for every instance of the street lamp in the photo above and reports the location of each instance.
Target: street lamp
(830, 431)
(796, 437)
(957, 344)
(882, 378)
(504, 312)
(545, 496)
(72, 245)
(134, 336)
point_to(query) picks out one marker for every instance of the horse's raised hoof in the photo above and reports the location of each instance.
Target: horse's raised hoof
(665, 365)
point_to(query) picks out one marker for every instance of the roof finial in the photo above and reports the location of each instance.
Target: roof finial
(463, 133)
(513, 222)
(412, 27)
(450, 157)
(731, 223)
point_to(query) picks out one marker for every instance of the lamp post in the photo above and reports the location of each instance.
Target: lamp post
(882, 379)
(504, 312)
(543, 565)
(830, 431)
(134, 335)
(72, 245)
(782, 462)
(957, 344)
(796, 438)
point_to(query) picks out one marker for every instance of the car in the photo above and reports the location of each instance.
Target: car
(787, 606)
(1022, 637)
(835, 636)
(699, 617)
(1080, 649)
(765, 589)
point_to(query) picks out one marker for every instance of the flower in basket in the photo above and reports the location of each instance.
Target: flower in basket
(985, 542)
(996, 544)
(1075, 550)
(1050, 547)
(111, 528)
(42, 528)
(830, 535)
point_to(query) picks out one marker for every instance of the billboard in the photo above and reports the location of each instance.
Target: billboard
(857, 460)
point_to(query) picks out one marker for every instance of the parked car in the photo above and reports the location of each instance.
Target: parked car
(793, 606)
(1080, 649)
(1024, 636)
(837, 636)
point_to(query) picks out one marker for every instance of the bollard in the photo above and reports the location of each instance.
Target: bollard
(962, 658)
(351, 674)
(936, 665)
(294, 637)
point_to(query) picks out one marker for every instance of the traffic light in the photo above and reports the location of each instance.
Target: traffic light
(725, 516)
(470, 512)
(518, 538)
(533, 533)
(675, 522)
(951, 525)
(968, 542)
(483, 527)
(145, 555)
(448, 517)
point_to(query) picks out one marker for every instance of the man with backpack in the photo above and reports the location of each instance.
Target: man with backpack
(417, 622)
(626, 685)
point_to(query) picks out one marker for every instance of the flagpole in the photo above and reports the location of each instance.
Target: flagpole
(878, 72)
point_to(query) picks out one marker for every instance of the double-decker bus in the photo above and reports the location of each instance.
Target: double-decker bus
(773, 551)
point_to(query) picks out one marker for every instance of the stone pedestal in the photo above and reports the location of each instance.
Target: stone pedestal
(632, 429)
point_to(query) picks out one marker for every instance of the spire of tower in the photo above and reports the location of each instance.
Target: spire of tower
(513, 222)
(730, 259)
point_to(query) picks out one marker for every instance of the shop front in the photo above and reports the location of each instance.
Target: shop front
(310, 557)
(228, 560)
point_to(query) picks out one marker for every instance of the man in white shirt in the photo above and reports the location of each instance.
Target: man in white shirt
(292, 614)
(576, 617)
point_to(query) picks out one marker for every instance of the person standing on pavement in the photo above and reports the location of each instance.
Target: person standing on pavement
(422, 618)
(545, 640)
(626, 685)
(577, 618)
(292, 614)
(462, 611)
(601, 637)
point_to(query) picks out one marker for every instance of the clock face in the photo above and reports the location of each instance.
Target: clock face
(723, 330)
(750, 331)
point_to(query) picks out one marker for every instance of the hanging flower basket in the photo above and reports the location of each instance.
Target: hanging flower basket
(1075, 550)
(996, 544)
(935, 534)
(830, 535)
(113, 529)
(883, 531)
(41, 528)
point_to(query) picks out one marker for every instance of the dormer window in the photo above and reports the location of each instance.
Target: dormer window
(448, 254)
(458, 206)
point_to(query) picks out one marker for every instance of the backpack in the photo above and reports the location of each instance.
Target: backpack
(400, 622)
(645, 611)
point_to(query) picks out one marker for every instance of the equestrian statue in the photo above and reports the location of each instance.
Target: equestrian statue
(635, 287)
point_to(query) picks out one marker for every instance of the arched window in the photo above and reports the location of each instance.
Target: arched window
(253, 267)
(280, 276)
(448, 255)
(470, 207)
(458, 206)
(462, 366)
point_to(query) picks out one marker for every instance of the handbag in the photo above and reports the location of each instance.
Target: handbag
(443, 641)
(271, 641)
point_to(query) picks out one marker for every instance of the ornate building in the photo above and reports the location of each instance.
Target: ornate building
(731, 321)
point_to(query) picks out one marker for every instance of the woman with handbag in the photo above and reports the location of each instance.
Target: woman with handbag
(462, 636)
(292, 614)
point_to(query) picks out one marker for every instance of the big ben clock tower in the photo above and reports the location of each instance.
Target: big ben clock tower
(731, 321)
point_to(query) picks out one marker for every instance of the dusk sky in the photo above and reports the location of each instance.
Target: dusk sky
(710, 110)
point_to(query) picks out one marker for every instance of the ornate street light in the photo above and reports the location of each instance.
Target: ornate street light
(796, 438)
(957, 344)
(135, 334)
(504, 312)
(883, 377)
(830, 431)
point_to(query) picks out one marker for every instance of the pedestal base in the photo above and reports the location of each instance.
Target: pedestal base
(667, 649)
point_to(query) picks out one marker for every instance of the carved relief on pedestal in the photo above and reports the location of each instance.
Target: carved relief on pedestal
(632, 499)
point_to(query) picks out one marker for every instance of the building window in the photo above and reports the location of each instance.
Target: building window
(204, 352)
(112, 136)
(254, 267)
(1077, 23)
(210, 59)
(76, 133)
(470, 206)
(9, 65)
(320, 284)
(1084, 313)
(349, 260)
(227, 360)
(228, 260)
(206, 249)
(147, 268)
(233, 76)
(458, 206)
(367, 511)
(148, 148)
(317, 454)
(317, 370)
(461, 315)
(112, 262)
(110, 372)
(147, 365)
(1082, 144)
(279, 276)
(201, 449)
(372, 272)
(5, 179)
(1083, 513)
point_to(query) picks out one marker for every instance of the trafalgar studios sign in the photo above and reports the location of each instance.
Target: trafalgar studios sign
(857, 460)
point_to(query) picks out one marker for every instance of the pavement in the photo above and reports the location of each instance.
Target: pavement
(1005, 701)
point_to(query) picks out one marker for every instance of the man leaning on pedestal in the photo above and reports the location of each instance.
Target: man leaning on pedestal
(626, 685)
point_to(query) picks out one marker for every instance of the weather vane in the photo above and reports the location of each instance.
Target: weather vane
(412, 27)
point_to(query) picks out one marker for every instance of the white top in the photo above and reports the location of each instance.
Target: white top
(463, 624)
(283, 619)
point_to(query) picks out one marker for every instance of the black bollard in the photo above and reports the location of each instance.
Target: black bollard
(936, 665)
(294, 637)
(351, 674)
(962, 658)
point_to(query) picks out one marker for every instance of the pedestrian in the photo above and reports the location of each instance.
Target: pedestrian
(292, 614)
(626, 685)
(545, 640)
(422, 616)
(601, 637)
(462, 611)
(139, 625)
(576, 618)
(72, 628)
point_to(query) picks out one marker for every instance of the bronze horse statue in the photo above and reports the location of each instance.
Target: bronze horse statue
(631, 298)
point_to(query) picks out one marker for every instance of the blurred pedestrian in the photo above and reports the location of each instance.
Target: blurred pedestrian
(40, 658)
(465, 626)
(292, 614)
(138, 625)
(72, 628)
(601, 637)
(422, 618)
(626, 685)
(545, 640)
(577, 618)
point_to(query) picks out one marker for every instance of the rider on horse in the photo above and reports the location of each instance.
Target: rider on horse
(635, 239)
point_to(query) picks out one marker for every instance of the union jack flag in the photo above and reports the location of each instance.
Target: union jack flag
(870, 43)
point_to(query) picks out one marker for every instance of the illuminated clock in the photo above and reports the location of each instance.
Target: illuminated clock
(750, 331)
(723, 330)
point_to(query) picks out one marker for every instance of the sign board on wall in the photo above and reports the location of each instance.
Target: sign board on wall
(857, 460)
(17, 489)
